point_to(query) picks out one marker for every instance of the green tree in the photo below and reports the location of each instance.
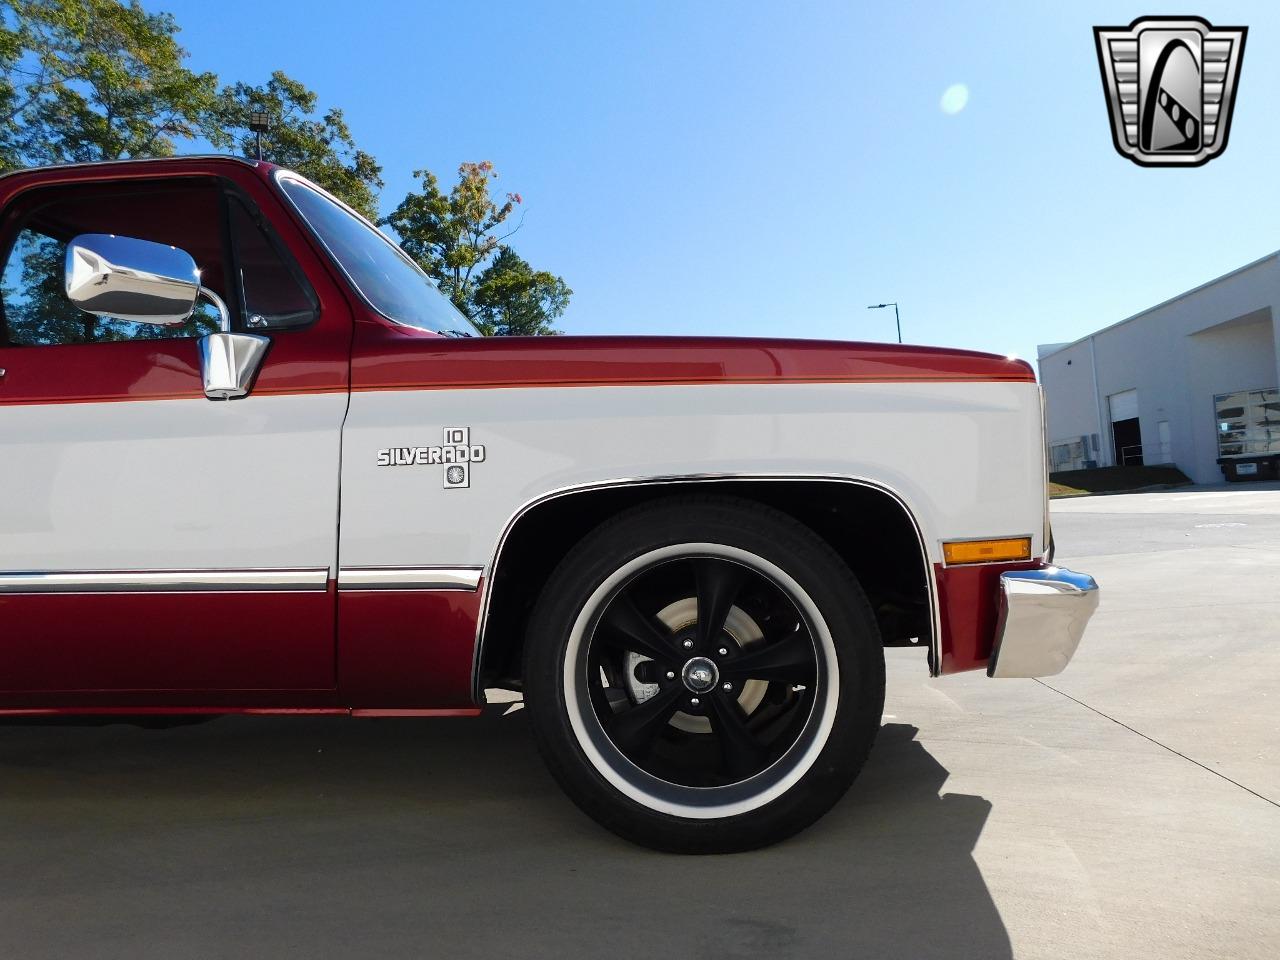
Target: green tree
(320, 147)
(459, 237)
(97, 80)
(11, 51)
(511, 299)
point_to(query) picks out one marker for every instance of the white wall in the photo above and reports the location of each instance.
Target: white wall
(1234, 356)
(1177, 355)
(1071, 409)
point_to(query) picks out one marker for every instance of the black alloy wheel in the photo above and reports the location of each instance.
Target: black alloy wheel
(704, 674)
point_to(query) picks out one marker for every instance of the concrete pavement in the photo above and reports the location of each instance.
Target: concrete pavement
(995, 818)
(1143, 820)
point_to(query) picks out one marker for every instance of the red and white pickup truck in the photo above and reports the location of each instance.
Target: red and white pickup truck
(252, 461)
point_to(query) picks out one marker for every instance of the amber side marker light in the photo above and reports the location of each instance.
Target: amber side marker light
(987, 551)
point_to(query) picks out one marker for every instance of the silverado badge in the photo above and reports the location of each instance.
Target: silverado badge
(456, 455)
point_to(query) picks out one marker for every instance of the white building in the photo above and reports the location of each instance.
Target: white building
(1185, 382)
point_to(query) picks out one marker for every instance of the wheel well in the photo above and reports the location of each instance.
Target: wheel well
(847, 515)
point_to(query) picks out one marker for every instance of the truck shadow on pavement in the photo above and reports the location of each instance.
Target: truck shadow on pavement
(446, 838)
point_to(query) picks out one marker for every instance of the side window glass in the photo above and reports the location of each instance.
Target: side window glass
(33, 286)
(275, 297)
(36, 308)
(38, 313)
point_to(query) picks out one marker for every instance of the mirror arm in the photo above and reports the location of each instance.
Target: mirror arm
(229, 362)
(224, 315)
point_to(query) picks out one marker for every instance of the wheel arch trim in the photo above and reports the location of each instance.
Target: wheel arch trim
(491, 568)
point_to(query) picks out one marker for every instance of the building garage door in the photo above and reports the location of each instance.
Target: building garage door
(1126, 433)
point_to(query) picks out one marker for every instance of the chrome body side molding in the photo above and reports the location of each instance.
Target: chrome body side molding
(164, 581)
(204, 581)
(409, 578)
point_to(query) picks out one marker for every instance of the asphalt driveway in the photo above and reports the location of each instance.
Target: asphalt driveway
(1128, 808)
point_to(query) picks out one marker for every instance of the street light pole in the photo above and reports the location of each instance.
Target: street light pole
(896, 319)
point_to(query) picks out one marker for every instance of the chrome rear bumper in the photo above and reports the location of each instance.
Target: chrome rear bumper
(1042, 616)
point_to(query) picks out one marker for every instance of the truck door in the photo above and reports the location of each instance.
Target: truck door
(158, 547)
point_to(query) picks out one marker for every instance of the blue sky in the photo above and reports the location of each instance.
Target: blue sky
(772, 168)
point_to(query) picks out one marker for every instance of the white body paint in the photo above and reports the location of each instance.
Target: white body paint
(967, 458)
(171, 484)
(178, 484)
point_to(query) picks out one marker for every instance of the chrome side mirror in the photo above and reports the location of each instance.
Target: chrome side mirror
(130, 279)
(230, 362)
(147, 282)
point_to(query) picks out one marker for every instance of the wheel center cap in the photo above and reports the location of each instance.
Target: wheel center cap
(699, 675)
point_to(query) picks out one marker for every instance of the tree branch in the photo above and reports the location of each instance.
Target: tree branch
(515, 229)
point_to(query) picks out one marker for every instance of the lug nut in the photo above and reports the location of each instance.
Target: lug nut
(688, 644)
(727, 687)
(724, 652)
(671, 674)
(694, 702)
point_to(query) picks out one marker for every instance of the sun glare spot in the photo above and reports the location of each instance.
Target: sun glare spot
(954, 99)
